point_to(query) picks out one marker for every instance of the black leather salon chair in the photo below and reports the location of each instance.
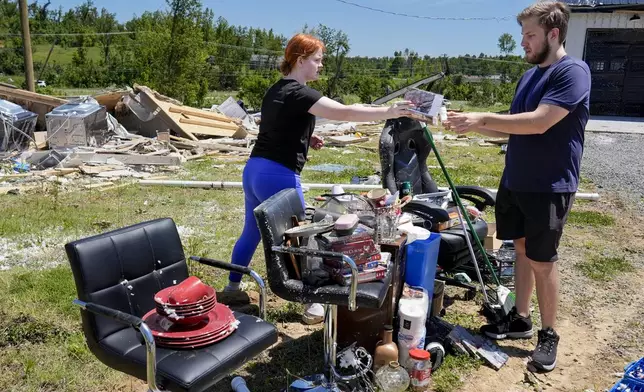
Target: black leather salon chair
(274, 218)
(117, 275)
(404, 150)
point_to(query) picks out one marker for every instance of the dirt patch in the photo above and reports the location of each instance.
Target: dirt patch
(601, 323)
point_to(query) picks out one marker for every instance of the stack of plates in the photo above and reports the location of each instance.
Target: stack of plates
(188, 316)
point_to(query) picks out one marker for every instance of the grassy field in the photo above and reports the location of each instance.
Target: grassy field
(62, 55)
(42, 346)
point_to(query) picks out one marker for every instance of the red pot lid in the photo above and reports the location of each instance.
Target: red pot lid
(216, 320)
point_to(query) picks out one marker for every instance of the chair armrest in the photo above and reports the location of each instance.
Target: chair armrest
(136, 323)
(242, 270)
(481, 197)
(353, 291)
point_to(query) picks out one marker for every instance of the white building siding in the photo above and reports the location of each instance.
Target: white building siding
(580, 22)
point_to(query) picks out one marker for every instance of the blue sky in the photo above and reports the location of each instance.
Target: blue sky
(370, 33)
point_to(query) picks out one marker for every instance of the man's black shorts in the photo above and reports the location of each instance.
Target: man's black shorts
(539, 217)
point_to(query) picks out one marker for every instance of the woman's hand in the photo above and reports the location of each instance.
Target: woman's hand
(316, 142)
(400, 109)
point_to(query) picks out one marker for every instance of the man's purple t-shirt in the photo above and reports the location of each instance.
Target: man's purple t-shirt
(550, 162)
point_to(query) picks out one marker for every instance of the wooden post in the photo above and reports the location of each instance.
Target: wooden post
(26, 45)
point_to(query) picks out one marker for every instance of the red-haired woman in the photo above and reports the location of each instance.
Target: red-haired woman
(288, 116)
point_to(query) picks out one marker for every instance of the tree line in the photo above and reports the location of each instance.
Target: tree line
(185, 51)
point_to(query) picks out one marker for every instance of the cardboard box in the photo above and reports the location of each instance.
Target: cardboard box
(491, 242)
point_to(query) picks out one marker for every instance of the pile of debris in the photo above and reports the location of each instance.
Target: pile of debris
(126, 133)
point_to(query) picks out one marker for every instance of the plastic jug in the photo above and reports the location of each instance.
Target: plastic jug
(420, 269)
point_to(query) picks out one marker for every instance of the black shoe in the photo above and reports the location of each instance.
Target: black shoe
(544, 357)
(513, 326)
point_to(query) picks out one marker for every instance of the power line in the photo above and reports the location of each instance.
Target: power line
(499, 18)
(74, 34)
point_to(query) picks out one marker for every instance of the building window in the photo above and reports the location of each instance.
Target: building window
(617, 65)
(597, 66)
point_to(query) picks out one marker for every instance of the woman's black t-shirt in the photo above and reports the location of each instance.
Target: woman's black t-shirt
(286, 126)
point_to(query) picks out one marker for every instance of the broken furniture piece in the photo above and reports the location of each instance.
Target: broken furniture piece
(274, 217)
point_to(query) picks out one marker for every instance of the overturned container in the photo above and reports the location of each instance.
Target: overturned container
(17, 126)
(77, 124)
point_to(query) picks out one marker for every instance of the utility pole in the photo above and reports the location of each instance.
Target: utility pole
(26, 45)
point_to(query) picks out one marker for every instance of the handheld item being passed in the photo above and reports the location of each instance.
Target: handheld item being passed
(427, 104)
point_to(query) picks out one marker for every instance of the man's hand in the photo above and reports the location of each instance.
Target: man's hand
(316, 142)
(463, 122)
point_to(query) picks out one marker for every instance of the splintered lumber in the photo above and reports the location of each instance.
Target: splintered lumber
(110, 99)
(217, 125)
(40, 138)
(12, 94)
(345, 140)
(164, 111)
(200, 113)
(207, 145)
(188, 121)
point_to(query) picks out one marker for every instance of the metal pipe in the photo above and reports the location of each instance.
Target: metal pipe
(353, 290)
(262, 294)
(150, 348)
(466, 235)
(346, 187)
(151, 357)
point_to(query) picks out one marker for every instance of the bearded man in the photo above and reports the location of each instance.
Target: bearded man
(546, 126)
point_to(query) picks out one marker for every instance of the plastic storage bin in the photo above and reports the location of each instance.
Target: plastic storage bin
(420, 269)
(17, 126)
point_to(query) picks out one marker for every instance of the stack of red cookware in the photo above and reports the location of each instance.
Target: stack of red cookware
(188, 315)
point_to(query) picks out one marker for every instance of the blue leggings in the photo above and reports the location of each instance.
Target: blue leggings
(262, 179)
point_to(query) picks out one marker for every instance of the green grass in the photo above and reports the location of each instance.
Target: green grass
(449, 377)
(41, 342)
(605, 268)
(591, 218)
(62, 55)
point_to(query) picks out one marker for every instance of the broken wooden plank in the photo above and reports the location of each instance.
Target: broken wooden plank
(345, 140)
(86, 157)
(41, 140)
(110, 99)
(498, 142)
(88, 169)
(200, 113)
(28, 96)
(212, 124)
(163, 111)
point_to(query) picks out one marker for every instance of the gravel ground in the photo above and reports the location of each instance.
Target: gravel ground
(614, 161)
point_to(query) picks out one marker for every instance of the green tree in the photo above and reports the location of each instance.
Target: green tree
(337, 47)
(507, 44)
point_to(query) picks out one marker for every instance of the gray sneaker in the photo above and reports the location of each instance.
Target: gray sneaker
(544, 357)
